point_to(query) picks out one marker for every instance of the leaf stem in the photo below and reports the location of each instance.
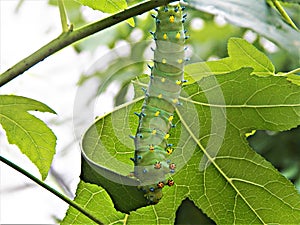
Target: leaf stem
(284, 14)
(297, 70)
(72, 36)
(63, 15)
(52, 190)
(20, 3)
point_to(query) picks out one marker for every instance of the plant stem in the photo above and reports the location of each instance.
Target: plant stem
(20, 3)
(52, 190)
(284, 14)
(292, 72)
(63, 15)
(72, 36)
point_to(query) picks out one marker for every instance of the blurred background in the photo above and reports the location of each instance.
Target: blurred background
(91, 77)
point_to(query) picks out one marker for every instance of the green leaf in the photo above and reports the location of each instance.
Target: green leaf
(95, 199)
(255, 15)
(237, 183)
(241, 54)
(33, 137)
(294, 78)
(225, 178)
(115, 186)
(216, 168)
(107, 6)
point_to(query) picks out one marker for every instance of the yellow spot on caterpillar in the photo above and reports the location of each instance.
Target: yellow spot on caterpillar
(163, 80)
(172, 19)
(165, 36)
(177, 35)
(169, 150)
(157, 113)
(179, 60)
(151, 148)
(159, 96)
(164, 61)
(153, 131)
(178, 82)
(175, 100)
(170, 118)
(167, 136)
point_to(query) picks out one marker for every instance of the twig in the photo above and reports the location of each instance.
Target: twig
(72, 36)
(52, 190)
(63, 15)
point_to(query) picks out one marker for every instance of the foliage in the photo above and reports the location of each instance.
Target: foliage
(108, 6)
(34, 138)
(241, 54)
(223, 102)
(226, 165)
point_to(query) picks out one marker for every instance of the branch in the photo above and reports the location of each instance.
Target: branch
(71, 36)
(52, 190)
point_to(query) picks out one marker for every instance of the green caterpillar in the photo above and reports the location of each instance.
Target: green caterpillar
(155, 119)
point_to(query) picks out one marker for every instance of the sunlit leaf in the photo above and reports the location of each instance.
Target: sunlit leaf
(294, 78)
(241, 54)
(216, 167)
(33, 137)
(98, 202)
(107, 6)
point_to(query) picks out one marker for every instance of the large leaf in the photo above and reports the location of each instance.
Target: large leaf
(255, 15)
(33, 137)
(241, 54)
(107, 6)
(98, 202)
(216, 167)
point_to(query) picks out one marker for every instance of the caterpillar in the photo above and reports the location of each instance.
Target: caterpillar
(152, 149)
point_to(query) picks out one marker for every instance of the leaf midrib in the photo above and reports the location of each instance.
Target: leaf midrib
(217, 105)
(23, 129)
(238, 106)
(229, 180)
